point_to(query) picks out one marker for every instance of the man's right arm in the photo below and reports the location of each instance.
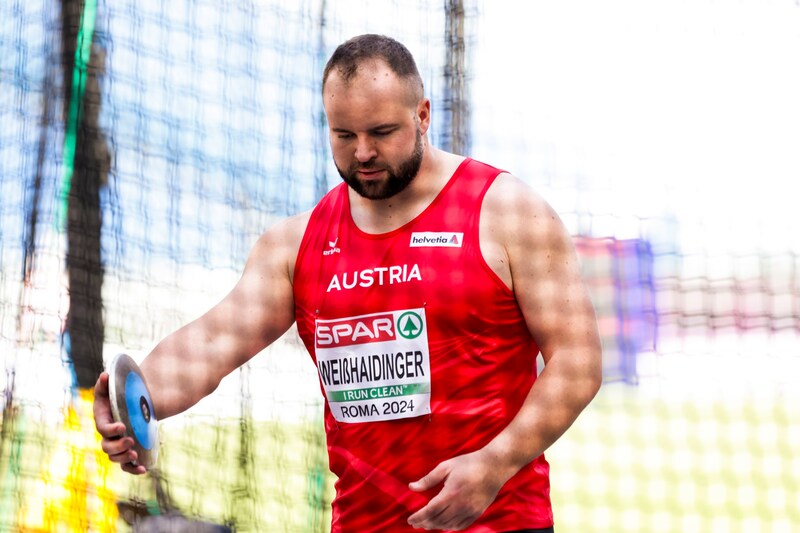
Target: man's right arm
(189, 364)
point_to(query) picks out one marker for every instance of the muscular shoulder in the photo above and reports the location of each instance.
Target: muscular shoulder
(512, 206)
(518, 226)
(278, 246)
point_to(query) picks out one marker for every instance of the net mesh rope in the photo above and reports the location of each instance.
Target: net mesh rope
(214, 130)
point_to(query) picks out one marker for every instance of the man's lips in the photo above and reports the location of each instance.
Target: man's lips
(369, 173)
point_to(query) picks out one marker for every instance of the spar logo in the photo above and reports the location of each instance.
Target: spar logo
(409, 325)
(357, 330)
(367, 329)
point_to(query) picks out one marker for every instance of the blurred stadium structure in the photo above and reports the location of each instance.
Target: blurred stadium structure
(145, 145)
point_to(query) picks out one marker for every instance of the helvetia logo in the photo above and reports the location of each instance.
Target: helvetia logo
(444, 239)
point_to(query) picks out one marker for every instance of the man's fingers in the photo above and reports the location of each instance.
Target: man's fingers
(131, 469)
(102, 404)
(429, 516)
(467, 489)
(110, 430)
(118, 446)
(101, 387)
(127, 460)
(115, 444)
(125, 457)
(434, 477)
(103, 419)
(440, 514)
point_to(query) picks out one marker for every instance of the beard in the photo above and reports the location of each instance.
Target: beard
(397, 179)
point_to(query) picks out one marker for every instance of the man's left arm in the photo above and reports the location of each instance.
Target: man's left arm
(525, 242)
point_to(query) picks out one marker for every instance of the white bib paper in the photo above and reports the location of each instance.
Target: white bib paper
(375, 367)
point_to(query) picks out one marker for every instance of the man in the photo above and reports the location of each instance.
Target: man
(424, 287)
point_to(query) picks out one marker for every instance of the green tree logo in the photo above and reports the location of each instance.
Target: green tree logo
(409, 325)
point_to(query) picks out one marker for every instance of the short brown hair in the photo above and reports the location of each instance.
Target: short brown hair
(349, 55)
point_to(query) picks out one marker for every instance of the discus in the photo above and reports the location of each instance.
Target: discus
(131, 405)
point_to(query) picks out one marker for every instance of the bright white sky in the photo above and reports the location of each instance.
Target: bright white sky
(684, 107)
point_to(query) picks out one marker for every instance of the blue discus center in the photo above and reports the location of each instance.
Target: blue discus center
(140, 411)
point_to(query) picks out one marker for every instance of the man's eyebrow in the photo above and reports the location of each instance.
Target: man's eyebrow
(385, 126)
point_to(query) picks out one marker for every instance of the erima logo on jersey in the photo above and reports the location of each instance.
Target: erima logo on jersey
(333, 249)
(445, 239)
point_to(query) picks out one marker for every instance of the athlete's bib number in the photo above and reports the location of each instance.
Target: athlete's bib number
(375, 367)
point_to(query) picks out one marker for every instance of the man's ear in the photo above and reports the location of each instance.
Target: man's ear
(424, 115)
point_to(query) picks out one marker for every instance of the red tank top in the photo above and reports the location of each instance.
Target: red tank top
(422, 353)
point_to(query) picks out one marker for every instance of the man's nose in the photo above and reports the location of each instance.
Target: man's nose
(365, 150)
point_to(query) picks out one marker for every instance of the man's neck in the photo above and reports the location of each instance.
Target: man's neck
(382, 216)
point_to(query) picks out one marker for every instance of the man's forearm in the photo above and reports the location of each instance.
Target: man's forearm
(558, 396)
(178, 371)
